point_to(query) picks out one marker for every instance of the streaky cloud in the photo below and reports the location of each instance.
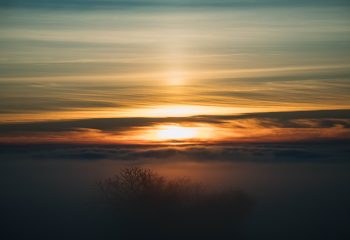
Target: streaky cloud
(296, 119)
(107, 4)
(317, 152)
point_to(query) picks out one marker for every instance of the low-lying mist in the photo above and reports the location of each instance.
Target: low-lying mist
(150, 206)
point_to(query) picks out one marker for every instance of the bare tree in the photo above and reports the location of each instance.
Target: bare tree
(151, 206)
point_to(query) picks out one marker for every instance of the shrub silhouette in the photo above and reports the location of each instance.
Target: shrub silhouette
(150, 206)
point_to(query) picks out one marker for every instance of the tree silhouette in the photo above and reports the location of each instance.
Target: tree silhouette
(151, 206)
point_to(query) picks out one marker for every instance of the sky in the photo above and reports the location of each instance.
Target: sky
(174, 72)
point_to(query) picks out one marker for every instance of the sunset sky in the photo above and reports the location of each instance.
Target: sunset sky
(174, 119)
(173, 71)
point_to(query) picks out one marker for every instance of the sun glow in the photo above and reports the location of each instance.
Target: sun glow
(176, 133)
(176, 77)
(182, 111)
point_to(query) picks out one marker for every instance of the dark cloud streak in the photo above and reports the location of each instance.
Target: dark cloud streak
(321, 152)
(313, 119)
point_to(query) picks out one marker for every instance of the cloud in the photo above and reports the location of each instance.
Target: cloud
(107, 4)
(117, 95)
(296, 119)
(269, 58)
(322, 152)
(301, 126)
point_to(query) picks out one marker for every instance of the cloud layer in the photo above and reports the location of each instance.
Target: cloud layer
(105, 4)
(254, 127)
(326, 152)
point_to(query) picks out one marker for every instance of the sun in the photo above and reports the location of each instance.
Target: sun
(174, 132)
(171, 133)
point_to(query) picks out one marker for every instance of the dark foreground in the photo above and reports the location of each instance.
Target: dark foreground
(54, 198)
